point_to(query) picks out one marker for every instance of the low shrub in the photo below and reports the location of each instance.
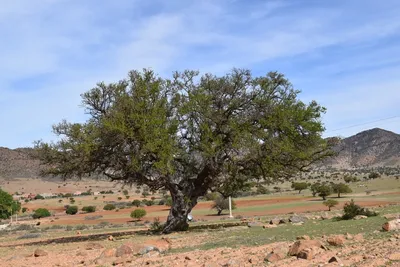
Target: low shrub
(28, 236)
(72, 210)
(89, 209)
(96, 217)
(351, 210)
(138, 214)
(109, 207)
(156, 225)
(41, 213)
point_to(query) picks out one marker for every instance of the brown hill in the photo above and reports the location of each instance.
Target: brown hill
(18, 163)
(371, 148)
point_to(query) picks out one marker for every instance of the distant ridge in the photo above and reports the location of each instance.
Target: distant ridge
(372, 148)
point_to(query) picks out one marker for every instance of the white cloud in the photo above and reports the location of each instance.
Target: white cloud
(57, 49)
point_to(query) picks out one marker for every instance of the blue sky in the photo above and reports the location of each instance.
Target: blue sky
(344, 53)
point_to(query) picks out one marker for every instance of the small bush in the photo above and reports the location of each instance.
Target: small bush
(24, 227)
(351, 210)
(72, 210)
(127, 197)
(39, 197)
(221, 204)
(138, 214)
(89, 209)
(28, 236)
(330, 203)
(136, 203)
(109, 207)
(211, 196)
(156, 225)
(24, 210)
(41, 213)
(119, 198)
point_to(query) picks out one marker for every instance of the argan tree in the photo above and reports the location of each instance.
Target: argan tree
(299, 186)
(341, 189)
(189, 134)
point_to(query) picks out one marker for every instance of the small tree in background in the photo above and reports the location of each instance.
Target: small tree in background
(341, 189)
(138, 214)
(89, 209)
(125, 192)
(299, 186)
(72, 210)
(221, 203)
(41, 213)
(330, 203)
(109, 207)
(324, 190)
(314, 188)
(136, 203)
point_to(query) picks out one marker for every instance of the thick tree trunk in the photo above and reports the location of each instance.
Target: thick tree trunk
(219, 212)
(182, 205)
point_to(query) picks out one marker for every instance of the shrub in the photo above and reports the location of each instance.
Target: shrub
(168, 201)
(374, 175)
(95, 198)
(351, 210)
(330, 203)
(24, 209)
(72, 210)
(221, 203)
(138, 214)
(299, 186)
(127, 197)
(109, 207)
(324, 190)
(28, 236)
(89, 209)
(60, 200)
(136, 203)
(125, 192)
(211, 196)
(41, 213)
(341, 189)
(95, 217)
(156, 225)
(39, 197)
(262, 190)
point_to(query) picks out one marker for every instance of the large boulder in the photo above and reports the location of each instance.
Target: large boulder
(40, 253)
(391, 225)
(297, 219)
(301, 245)
(336, 240)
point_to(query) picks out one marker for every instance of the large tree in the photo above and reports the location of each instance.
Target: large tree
(8, 206)
(189, 134)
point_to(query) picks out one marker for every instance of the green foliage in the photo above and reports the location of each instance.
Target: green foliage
(24, 209)
(125, 192)
(299, 186)
(168, 201)
(127, 197)
(211, 196)
(136, 203)
(330, 203)
(221, 203)
(39, 197)
(7, 205)
(349, 179)
(156, 225)
(109, 207)
(341, 189)
(138, 214)
(119, 198)
(261, 190)
(374, 175)
(89, 209)
(314, 188)
(148, 202)
(41, 213)
(72, 210)
(324, 190)
(190, 134)
(351, 210)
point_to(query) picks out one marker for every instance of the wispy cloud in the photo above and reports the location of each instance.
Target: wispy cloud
(341, 53)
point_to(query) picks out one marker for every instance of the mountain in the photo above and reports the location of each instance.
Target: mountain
(18, 163)
(371, 148)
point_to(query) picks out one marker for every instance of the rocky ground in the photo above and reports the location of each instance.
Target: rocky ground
(334, 250)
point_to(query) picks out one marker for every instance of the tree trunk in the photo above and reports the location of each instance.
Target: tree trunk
(338, 195)
(219, 212)
(324, 197)
(182, 205)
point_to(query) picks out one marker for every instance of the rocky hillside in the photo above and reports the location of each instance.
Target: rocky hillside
(371, 148)
(18, 163)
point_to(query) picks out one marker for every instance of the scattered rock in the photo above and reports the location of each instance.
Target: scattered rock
(391, 225)
(274, 221)
(304, 244)
(326, 216)
(349, 236)
(303, 237)
(81, 254)
(255, 224)
(123, 251)
(336, 240)
(93, 246)
(273, 257)
(394, 256)
(40, 253)
(110, 238)
(392, 216)
(306, 254)
(358, 237)
(148, 249)
(359, 217)
(297, 219)
(335, 259)
(108, 253)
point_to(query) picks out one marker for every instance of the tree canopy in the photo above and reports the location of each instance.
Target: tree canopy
(299, 186)
(341, 189)
(190, 134)
(8, 206)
